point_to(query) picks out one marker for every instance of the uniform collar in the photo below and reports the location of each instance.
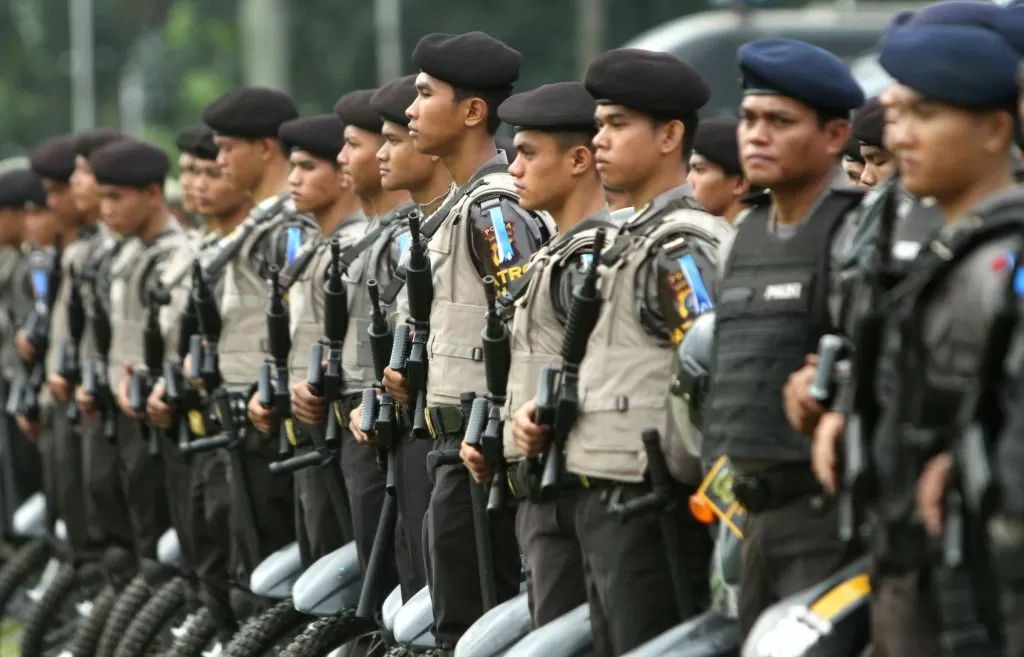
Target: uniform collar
(600, 219)
(498, 163)
(399, 210)
(172, 228)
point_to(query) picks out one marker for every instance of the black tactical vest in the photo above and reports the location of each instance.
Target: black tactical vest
(771, 310)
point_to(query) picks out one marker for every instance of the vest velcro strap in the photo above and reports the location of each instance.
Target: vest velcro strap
(624, 403)
(458, 351)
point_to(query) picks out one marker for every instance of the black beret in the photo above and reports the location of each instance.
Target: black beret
(354, 108)
(322, 135)
(19, 187)
(852, 150)
(205, 147)
(562, 105)
(716, 141)
(787, 67)
(869, 122)
(966, 66)
(251, 112)
(185, 141)
(474, 60)
(655, 83)
(55, 158)
(391, 100)
(129, 162)
(89, 140)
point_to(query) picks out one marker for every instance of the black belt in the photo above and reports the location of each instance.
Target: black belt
(775, 488)
(524, 481)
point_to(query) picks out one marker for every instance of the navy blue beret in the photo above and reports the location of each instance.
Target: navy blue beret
(562, 105)
(205, 147)
(475, 60)
(391, 100)
(354, 109)
(655, 83)
(868, 124)
(129, 162)
(187, 138)
(19, 187)
(716, 140)
(961, 65)
(787, 67)
(55, 158)
(322, 135)
(979, 13)
(250, 112)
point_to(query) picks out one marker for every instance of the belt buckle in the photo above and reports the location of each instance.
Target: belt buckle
(428, 415)
(751, 491)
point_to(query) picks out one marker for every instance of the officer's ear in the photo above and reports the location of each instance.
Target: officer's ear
(671, 136)
(837, 132)
(997, 131)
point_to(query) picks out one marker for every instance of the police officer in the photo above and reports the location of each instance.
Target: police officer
(462, 80)
(427, 181)
(715, 172)
(554, 172)
(206, 503)
(320, 188)
(246, 122)
(868, 127)
(972, 107)
(772, 309)
(66, 430)
(642, 145)
(131, 176)
(21, 191)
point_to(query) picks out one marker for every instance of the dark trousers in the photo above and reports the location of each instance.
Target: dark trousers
(785, 551)
(209, 517)
(142, 482)
(366, 490)
(627, 570)
(178, 485)
(554, 562)
(412, 497)
(323, 524)
(453, 575)
(109, 519)
(903, 620)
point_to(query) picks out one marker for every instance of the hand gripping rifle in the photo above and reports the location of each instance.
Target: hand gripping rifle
(143, 380)
(475, 427)
(178, 391)
(497, 363)
(586, 307)
(69, 364)
(856, 363)
(96, 377)
(420, 285)
(273, 378)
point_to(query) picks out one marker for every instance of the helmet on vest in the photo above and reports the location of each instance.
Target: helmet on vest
(689, 387)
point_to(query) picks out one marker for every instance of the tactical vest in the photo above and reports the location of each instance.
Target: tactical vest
(74, 256)
(455, 354)
(129, 299)
(772, 308)
(18, 302)
(626, 374)
(244, 295)
(537, 334)
(306, 298)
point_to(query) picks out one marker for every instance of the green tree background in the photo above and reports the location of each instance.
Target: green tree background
(188, 52)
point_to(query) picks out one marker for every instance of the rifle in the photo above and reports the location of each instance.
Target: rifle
(96, 377)
(69, 365)
(586, 307)
(335, 326)
(497, 363)
(45, 284)
(178, 391)
(380, 425)
(475, 425)
(662, 501)
(143, 380)
(420, 284)
(384, 420)
(273, 387)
